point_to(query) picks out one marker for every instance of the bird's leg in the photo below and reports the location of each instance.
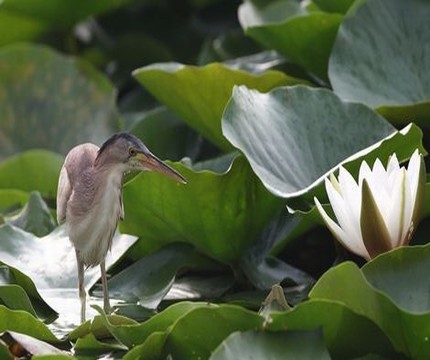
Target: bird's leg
(106, 305)
(81, 287)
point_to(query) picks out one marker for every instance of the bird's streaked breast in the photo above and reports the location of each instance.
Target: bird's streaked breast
(92, 232)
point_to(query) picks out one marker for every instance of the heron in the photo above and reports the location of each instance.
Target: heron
(89, 199)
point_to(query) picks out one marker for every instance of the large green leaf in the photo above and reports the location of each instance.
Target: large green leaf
(131, 335)
(32, 170)
(23, 322)
(19, 292)
(14, 297)
(51, 101)
(50, 261)
(35, 217)
(220, 214)
(407, 326)
(12, 199)
(401, 274)
(347, 334)
(149, 279)
(272, 271)
(89, 346)
(294, 136)
(306, 39)
(196, 334)
(339, 6)
(185, 330)
(199, 94)
(166, 135)
(379, 58)
(272, 346)
(26, 19)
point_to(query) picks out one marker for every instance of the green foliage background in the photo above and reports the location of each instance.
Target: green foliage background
(254, 102)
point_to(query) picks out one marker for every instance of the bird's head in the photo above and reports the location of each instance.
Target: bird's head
(127, 150)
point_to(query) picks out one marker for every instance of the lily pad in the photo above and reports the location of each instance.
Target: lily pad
(292, 147)
(131, 335)
(18, 290)
(30, 254)
(149, 279)
(401, 274)
(196, 334)
(35, 217)
(271, 346)
(15, 298)
(273, 271)
(161, 211)
(305, 39)
(408, 331)
(199, 94)
(166, 135)
(25, 323)
(32, 170)
(26, 20)
(12, 199)
(89, 345)
(338, 6)
(347, 334)
(379, 59)
(52, 101)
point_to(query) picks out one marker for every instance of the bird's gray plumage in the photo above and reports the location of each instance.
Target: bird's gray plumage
(89, 197)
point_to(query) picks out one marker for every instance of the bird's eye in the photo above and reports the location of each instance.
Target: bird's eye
(132, 152)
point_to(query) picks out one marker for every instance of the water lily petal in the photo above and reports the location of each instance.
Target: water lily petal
(378, 170)
(364, 172)
(416, 179)
(394, 213)
(340, 234)
(340, 208)
(376, 236)
(381, 210)
(351, 194)
(393, 171)
(345, 217)
(393, 164)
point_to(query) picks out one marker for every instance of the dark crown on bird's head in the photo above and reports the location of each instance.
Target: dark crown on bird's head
(125, 136)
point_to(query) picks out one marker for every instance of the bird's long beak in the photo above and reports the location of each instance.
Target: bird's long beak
(150, 162)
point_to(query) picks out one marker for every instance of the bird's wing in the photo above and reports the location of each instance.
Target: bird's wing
(63, 194)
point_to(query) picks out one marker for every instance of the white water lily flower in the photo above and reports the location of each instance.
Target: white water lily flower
(381, 211)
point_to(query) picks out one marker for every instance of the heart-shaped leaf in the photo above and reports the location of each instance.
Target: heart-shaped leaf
(149, 279)
(11, 200)
(192, 336)
(305, 39)
(292, 147)
(18, 290)
(162, 211)
(339, 6)
(52, 101)
(32, 170)
(379, 59)
(399, 307)
(166, 135)
(347, 334)
(269, 345)
(199, 94)
(35, 217)
(401, 274)
(26, 20)
(25, 323)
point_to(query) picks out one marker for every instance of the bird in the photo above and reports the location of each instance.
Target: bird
(90, 202)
